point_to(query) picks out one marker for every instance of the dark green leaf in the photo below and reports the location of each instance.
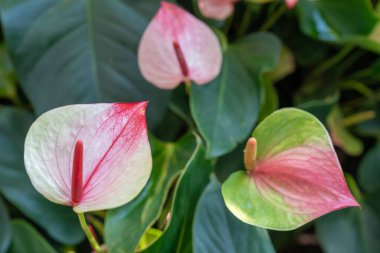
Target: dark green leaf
(68, 52)
(226, 109)
(320, 108)
(125, 225)
(59, 221)
(26, 239)
(5, 231)
(350, 231)
(177, 236)
(369, 173)
(336, 20)
(216, 230)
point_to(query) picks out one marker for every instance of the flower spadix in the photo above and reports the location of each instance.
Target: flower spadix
(291, 3)
(216, 9)
(91, 157)
(292, 174)
(177, 47)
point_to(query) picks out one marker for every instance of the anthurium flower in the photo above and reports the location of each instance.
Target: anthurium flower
(293, 174)
(216, 9)
(91, 157)
(177, 47)
(291, 3)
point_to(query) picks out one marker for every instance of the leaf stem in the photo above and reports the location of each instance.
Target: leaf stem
(98, 225)
(273, 18)
(333, 60)
(94, 244)
(247, 17)
(358, 118)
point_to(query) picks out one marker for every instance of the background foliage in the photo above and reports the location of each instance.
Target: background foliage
(321, 57)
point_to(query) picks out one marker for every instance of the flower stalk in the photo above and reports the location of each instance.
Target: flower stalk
(91, 238)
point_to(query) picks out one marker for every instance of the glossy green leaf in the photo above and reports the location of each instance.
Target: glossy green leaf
(192, 182)
(369, 173)
(26, 239)
(125, 225)
(5, 231)
(216, 230)
(60, 222)
(350, 231)
(370, 42)
(336, 20)
(291, 183)
(259, 53)
(285, 67)
(70, 52)
(217, 107)
(320, 108)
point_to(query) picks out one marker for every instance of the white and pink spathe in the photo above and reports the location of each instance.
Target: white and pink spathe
(91, 157)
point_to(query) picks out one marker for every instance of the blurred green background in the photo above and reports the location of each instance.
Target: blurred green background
(321, 57)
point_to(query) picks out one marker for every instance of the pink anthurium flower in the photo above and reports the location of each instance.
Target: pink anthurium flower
(91, 157)
(292, 174)
(176, 47)
(291, 3)
(216, 9)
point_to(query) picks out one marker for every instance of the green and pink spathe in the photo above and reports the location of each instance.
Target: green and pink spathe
(293, 176)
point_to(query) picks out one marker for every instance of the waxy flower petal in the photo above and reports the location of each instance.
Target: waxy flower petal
(176, 47)
(216, 9)
(291, 3)
(91, 157)
(297, 176)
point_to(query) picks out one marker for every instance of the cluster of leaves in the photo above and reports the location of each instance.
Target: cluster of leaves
(317, 57)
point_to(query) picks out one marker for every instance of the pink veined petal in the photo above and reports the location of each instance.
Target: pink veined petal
(291, 3)
(308, 180)
(116, 154)
(216, 9)
(158, 60)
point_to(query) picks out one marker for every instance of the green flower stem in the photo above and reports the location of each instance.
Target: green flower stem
(358, 118)
(273, 18)
(247, 17)
(227, 25)
(94, 244)
(98, 225)
(346, 50)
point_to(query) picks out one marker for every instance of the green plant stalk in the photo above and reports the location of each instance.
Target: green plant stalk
(346, 50)
(247, 17)
(358, 118)
(91, 239)
(273, 19)
(98, 225)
